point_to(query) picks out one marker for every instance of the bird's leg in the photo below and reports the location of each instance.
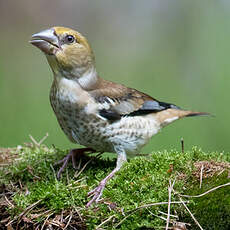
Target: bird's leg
(97, 192)
(73, 155)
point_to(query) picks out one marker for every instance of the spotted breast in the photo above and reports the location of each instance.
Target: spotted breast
(87, 127)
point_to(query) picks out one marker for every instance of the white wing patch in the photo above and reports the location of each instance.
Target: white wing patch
(94, 107)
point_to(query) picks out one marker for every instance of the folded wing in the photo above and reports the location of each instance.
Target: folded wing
(117, 100)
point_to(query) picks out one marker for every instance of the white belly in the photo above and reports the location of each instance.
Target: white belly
(130, 133)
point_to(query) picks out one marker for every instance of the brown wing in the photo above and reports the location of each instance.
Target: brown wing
(117, 100)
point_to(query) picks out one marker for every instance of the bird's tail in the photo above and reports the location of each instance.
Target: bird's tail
(166, 117)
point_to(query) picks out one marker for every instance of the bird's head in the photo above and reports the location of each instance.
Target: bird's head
(68, 52)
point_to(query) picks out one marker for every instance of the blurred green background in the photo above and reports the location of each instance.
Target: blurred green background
(176, 51)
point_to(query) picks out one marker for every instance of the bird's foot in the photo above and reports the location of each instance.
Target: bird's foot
(73, 155)
(97, 192)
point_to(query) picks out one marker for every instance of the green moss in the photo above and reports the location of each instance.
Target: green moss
(141, 180)
(213, 209)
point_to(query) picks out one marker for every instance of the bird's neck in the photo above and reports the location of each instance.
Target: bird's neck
(89, 79)
(86, 77)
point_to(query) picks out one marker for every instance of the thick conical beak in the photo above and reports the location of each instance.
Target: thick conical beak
(47, 41)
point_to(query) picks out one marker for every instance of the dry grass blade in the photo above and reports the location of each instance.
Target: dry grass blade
(43, 139)
(29, 208)
(82, 169)
(24, 212)
(8, 202)
(54, 173)
(38, 144)
(210, 168)
(154, 204)
(70, 218)
(145, 206)
(193, 217)
(105, 221)
(46, 220)
(163, 213)
(161, 217)
(33, 140)
(122, 220)
(201, 175)
(37, 215)
(203, 194)
(170, 189)
(78, 212)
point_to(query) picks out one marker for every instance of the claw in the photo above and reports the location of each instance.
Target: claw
(65, 161)
(97, 192)
(73, 155)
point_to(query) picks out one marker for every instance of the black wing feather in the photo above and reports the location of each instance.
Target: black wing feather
(147, 108)
(153, 107)
(110, 114)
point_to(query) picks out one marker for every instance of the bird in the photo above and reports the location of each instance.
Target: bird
(101, 115)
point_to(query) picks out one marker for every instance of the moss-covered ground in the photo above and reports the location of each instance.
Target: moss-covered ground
(136, 198)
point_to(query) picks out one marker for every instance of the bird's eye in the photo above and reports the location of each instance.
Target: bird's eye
(69, 38)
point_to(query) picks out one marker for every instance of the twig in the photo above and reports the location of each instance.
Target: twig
(182, 144)
(29, 208)
(61, 218)
(170, 189)
(169, 200)
(201, 175)
(105, 221)
(43, 139)
(79, 164)
(66, 217)
(78, 212)
(154, 204)
(20, 184)
(186, 207)
(221, 172)
(70, 217)
(55, 177)
(34, 216)
(145, 206)
(211, 190)
(30, 170)
(24, 212)
(161, 217)
(38, 144)
(83, 167)
(123, 220)
(50, 214)
(174, 216)
(8, 202)
(33, 140)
